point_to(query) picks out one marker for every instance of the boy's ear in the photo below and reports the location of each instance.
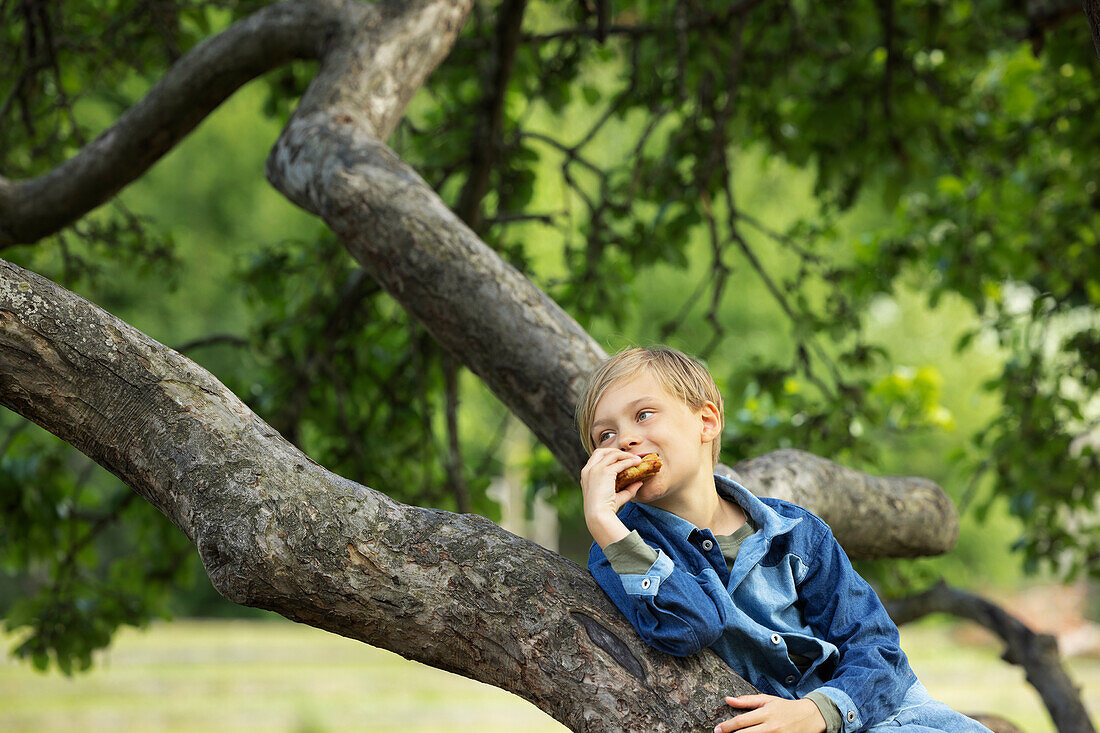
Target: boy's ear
(711, 422)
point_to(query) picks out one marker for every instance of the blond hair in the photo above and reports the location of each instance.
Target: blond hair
(680, 375)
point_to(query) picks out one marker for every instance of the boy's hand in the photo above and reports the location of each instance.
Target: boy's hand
(770, 714)
(601, 501)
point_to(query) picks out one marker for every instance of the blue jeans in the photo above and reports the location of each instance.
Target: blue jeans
(919, 713)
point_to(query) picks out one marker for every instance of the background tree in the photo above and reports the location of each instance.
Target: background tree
(941, 110)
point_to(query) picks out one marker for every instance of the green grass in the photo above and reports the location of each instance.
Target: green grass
(278, 676)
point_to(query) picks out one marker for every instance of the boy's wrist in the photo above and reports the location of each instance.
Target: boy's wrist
(606, 529)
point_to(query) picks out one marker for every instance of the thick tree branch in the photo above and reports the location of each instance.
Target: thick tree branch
(277, 531)
(871, 516)
(193, 87)
(330, 160)
(1036, 653)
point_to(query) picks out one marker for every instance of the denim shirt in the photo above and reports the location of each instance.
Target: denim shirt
(792, 590)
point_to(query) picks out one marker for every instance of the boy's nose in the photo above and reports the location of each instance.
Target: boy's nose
(628, 441)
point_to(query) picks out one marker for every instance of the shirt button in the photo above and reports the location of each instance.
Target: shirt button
(851, 716)
(645, 583)
(776, 639)
(791, 679)
(707, 545)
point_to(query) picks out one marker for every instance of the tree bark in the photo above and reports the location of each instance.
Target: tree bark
(871, 516)
(330, 160)
(277, 531)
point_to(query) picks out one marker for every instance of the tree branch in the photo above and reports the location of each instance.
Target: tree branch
(1036, 653)
(490, 125)
(871, 516)
(215, 339)
(702, 21)
(201, 80)
(1092, 12)
(277, 531)
(455, 477)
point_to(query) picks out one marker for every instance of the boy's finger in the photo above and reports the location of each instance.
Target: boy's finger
(745, 720)
(614, 459)
(622, 497)
(748, 701)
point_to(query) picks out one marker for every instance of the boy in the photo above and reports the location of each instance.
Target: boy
(695, 561)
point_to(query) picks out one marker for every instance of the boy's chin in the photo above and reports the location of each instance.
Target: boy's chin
(652, 490)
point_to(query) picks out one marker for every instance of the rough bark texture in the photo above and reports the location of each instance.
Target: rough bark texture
(871, 516)
(331, 161)
(1036, 653)
(277, 531)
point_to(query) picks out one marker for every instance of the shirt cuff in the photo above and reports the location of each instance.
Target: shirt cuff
(829, 711)
(850, 718)
(646, 585)
(630, 555)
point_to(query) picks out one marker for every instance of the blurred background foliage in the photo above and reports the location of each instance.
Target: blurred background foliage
(875, 221)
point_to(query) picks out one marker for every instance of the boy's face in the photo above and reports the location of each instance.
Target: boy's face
(638, 415)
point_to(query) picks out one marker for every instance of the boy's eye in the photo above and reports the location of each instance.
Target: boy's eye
(644, 414)
(604, 436)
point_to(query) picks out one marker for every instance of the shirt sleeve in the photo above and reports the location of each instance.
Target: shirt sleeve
(630, 555)
(673, 610)
(829, 711)
(841, 607)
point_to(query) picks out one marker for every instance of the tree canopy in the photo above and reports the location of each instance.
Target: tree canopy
(624, 157)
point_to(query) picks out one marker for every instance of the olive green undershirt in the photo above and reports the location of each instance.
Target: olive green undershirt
(632, 556)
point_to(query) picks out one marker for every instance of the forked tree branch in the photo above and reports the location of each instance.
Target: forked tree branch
(330, 160)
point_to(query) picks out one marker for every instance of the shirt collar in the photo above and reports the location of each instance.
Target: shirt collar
(765, 518)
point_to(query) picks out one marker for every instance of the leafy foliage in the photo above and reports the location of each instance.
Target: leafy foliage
(620, 158)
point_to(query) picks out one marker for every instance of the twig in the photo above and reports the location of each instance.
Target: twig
(455, 477)
(215, 339)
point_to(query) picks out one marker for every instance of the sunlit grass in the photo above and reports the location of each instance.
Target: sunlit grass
(279, 676)
(254, 675)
